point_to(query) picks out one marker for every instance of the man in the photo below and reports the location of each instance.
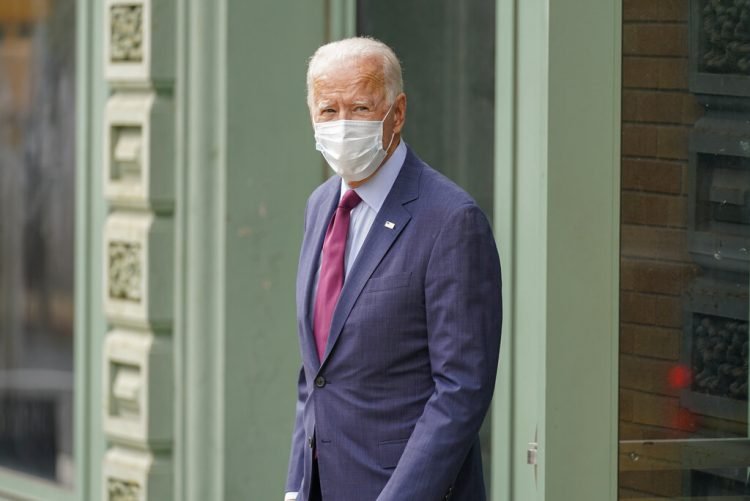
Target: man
(398, 303)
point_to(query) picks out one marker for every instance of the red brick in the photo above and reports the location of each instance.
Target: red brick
(652, 175)
(644, 408)
(672, 107)
(655, 40)
(646, 374)
(654, 243)
(646, 208)
(655, 10)
(655, 277)
(635, 431)
(657, 342)
(649, 309)
(663, 482)
(655, 73)
(655, 141)
(639, 140)
(672, 142)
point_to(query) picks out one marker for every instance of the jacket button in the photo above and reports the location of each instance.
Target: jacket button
(309, 442)
(320, 381)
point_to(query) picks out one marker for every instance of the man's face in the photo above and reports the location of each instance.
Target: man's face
(356, 91)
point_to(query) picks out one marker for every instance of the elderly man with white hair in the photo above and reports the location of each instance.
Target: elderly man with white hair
(398, 302)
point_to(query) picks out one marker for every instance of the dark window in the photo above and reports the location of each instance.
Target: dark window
(37, 181)
(447, 51)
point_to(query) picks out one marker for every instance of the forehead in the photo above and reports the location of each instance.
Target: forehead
(360, 78)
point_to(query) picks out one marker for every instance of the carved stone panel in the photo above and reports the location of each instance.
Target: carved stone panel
(140, 385)
(126, 32)
(125, 274)
(140, 41)
(131, 475)
(139, 151)
(123, 490)
(139, 270)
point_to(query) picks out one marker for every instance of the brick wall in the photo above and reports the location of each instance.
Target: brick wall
(657, 114)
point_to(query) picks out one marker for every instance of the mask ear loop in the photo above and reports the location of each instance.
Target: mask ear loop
(382, 123)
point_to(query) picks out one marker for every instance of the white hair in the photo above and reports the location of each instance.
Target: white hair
(345, 51)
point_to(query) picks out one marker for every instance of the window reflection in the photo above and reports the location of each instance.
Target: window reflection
(37, 169)
(685, 242)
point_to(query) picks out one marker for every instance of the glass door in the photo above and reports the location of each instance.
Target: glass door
(685, 250)
(447, 51)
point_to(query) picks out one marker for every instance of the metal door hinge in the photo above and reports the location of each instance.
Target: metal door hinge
(531, 453)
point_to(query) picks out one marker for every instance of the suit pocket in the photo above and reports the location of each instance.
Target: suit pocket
(390, 452)
(388, 282)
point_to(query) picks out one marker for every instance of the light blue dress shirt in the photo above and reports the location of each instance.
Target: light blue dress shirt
(373, 194)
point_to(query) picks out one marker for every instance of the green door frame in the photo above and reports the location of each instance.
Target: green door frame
(557, 223)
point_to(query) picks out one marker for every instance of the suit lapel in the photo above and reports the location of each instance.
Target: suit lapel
(313, 246)
(378, 241)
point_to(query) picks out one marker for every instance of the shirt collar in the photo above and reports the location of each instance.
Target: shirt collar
(374, 191)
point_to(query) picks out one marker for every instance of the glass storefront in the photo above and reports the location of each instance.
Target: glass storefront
(37, 183)
(685, 250)
(447, 51)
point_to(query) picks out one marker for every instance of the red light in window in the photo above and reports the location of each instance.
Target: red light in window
(679, 377)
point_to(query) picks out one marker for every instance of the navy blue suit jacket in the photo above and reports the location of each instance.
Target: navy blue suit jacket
(395, 406)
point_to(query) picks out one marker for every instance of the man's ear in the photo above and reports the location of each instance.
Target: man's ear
(399, 113)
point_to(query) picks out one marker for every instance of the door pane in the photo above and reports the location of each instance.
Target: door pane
(447, 50)
(685, 236)
(37, 124)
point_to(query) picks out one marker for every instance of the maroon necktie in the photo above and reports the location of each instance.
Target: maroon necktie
(331, 277)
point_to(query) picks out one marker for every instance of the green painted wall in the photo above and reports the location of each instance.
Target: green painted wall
(247, 164)
(272, 167)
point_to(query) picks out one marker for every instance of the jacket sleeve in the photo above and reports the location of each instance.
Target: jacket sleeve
(464, 316)
(296, 455)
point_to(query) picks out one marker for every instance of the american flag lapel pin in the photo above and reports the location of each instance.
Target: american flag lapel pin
(390, 225)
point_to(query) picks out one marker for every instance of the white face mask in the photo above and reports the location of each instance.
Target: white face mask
(353, 148)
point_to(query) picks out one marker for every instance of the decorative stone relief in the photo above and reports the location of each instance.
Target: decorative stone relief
(138, 404)
(125, 391)
(139, 130)
(140, 39)
(136, 475)
(125, 271)
(139, 151)
(126, 43)
(127, 148)
(122, 490)
(138, 274)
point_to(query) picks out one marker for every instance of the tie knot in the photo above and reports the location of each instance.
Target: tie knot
(350, 200)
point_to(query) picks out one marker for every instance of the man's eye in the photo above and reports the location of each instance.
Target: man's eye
(361, 108)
